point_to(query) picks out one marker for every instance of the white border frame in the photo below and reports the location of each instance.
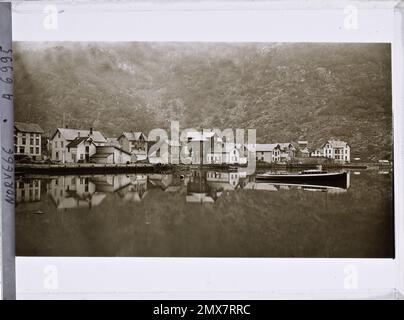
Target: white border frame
(203, 278)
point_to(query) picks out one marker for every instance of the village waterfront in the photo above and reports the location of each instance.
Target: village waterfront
(203, 213)
(203, 149)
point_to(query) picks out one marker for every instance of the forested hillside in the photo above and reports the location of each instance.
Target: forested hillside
(288, 92)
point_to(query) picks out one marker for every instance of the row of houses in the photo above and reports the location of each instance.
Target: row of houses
(68, 145)
(336, 150)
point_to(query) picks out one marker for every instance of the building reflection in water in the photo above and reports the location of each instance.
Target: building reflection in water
(27, 190)
(69, 192)
(135, 190)
(198, 189)
(201, 186)
(208, 186)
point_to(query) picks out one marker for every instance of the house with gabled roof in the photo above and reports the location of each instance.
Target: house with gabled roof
(134, 142)
(80, 150)
(201, 145)
(28, 139)
(303, 149)
(64, 136)
(230, 153)
(287, 151)
(269, 153)
(338, 150)
(317, 153)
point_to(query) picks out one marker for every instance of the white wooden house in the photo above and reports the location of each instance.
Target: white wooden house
(80, 150)
(230, 153)
(63, 137)
(134, 142)
(338, 150)
(269, 153)
(287, 152)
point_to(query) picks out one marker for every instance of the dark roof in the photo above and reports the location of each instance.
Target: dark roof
(71, 134)
(336, 143)
(133, 135)
(77, 141)
(101, 155)
(101, 148)
(28, 127)
(259, 147)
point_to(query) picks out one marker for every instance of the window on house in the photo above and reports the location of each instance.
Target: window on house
(22, 149)
(23, 141)
(31, 149)
(57, 155)
(56, 144)
(59, 135)
(31, 141)
(82, 157)
(37, 150)
(61, 144)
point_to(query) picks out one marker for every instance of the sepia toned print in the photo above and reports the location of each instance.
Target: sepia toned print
(203, 149)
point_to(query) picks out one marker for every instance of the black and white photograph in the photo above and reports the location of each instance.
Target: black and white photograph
(191, 149)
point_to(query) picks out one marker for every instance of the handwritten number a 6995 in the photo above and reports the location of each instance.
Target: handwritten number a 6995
(6, 59)
(6, 68)
(7, 80)
(9, 51)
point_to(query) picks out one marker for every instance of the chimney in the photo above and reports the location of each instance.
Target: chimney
(66, 126)
(91, 131)
(78, 134)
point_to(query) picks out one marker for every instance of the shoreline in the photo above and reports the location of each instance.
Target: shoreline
(21, 169)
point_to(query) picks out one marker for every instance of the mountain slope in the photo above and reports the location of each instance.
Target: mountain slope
(287, 92)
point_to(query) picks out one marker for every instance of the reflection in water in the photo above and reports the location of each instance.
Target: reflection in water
(159, 215)
(28, 190)
(68, 192)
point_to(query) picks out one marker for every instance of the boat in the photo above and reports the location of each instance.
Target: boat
(306, 177)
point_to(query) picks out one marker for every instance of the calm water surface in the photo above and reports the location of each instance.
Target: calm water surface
(203, 214)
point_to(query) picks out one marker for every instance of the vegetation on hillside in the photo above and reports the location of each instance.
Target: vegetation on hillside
(288, 92)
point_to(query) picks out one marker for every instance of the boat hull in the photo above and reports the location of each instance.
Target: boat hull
(338, 179)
